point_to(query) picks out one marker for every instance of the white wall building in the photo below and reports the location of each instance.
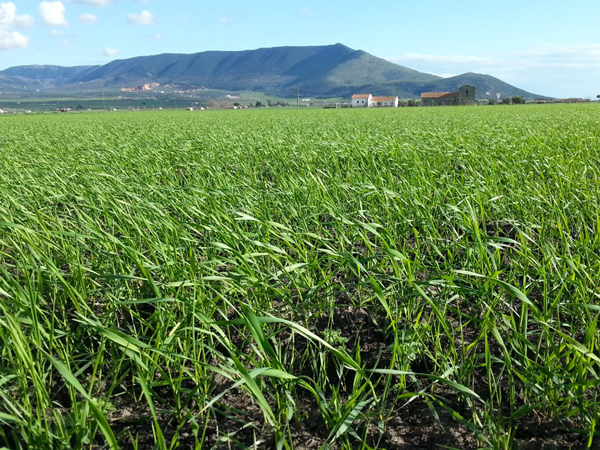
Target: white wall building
(361, 100)
(390, 102)
(368, 101)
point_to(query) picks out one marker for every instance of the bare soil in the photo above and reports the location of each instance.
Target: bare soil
(414, 425)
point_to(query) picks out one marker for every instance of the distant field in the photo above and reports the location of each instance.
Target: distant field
(83, 104)
(356, 279)
(148, 100)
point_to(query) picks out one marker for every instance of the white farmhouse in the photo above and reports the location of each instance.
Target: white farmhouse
(361, 100)
(368, 101)
(390, 102)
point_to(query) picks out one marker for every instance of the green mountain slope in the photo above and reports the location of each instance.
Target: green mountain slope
(51, 75)
(319, 71)
(276, 70)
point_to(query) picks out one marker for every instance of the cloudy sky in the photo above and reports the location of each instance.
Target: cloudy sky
(549, 47)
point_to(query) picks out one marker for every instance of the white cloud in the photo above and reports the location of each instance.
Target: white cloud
(63, 34)
(145, 18)
(157, 37)
(9, 39)
(142, 1)
(9, 18)
(53, 14)
(444, 60)
(554, 70)
(110, 51)
(224, 19)
(94, 2)
(88, 18)
(66, 43)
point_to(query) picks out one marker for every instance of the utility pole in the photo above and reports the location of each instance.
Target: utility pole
(297, 97)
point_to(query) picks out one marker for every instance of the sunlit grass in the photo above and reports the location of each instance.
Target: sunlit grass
(226, 278)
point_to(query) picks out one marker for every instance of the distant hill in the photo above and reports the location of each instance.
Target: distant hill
(319, 71)
(49, 74)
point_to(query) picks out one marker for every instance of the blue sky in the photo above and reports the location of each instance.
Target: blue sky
(547, 47)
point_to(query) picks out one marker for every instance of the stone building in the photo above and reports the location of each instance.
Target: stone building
(466, 95)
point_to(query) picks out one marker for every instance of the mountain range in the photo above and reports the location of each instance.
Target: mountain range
(318, 71)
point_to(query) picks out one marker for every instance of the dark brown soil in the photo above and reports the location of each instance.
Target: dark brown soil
(236, 422)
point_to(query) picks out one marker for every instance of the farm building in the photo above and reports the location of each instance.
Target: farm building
(368, 101)
(361, 100)
(466, 95)
(385, 101)
(574, 100)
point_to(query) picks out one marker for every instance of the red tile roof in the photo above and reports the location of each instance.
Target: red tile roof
(384, 99)
(361, 95)
(439, 95)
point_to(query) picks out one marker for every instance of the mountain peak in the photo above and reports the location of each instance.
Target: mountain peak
(319, 71)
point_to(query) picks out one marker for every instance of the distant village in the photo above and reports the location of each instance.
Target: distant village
(143, 87)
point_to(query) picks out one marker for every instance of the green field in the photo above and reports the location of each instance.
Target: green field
(392, 278)
(146, 100)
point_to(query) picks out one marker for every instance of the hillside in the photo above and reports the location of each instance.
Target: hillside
(319, 71)
(52, 75)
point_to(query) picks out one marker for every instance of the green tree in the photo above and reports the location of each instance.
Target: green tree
(517, 100)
